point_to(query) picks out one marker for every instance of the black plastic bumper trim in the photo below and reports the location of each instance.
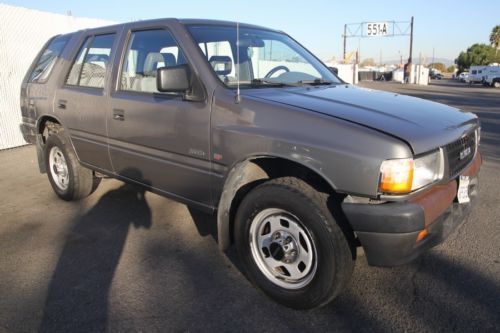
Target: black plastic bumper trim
(385, 218)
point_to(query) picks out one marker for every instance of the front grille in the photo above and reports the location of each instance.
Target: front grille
(460, 153)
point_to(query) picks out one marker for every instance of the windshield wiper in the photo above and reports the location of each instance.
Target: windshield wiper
(316, 82)
(269, 83)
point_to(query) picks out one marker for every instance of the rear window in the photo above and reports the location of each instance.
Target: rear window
(48, 58)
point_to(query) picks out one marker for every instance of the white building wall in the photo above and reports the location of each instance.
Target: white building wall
(348, 72)
(23, 32)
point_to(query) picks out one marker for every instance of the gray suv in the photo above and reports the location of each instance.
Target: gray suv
(241, 120)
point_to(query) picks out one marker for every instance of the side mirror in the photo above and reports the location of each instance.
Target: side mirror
(334, 70)
(222, 65)
(173, 79)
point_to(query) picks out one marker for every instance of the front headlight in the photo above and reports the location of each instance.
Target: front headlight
(408, 174)
(428, 169)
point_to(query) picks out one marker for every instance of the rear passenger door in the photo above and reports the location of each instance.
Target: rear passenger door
(83, 98)
(158, 139)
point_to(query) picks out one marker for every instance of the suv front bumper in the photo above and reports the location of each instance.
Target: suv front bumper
(388, 232)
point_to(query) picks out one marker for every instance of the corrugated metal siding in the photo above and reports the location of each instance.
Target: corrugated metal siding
(23, 32)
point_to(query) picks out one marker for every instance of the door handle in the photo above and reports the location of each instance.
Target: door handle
(118, 114)
(61, 104)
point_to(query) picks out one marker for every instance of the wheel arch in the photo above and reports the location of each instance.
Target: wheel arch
(252, 171)
(43, 120)
(41, 137)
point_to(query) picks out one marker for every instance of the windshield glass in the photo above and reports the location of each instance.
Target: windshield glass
(264, 58)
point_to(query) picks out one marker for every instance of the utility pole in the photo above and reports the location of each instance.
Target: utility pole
(432, 65)
(354, 68)
(411, 41)
(345, 37)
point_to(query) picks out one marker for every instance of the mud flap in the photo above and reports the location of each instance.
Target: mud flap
(40, 153)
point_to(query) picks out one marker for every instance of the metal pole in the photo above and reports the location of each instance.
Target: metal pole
(411, 40)
(345, 36)
(432, 65)
(354, 68)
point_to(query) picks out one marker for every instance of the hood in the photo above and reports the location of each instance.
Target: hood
(422, 124)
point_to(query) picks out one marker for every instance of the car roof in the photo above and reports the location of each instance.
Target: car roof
(220, 22)
(188, 21)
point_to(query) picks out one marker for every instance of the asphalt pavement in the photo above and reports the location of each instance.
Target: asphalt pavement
(125, 260)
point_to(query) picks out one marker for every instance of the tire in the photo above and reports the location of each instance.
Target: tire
(68, 178)
(496, 84)
(290, 245)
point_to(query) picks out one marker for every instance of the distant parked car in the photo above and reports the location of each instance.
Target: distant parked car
(463, 77)
(436, 76)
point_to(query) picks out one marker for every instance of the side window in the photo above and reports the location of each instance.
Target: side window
(220, 57)
(147, 51)
(74, 73)
(47, 60)
(91, 63)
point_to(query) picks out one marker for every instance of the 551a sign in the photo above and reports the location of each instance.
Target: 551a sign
(374, 29)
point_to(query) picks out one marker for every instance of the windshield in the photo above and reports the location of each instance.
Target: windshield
(264, 58)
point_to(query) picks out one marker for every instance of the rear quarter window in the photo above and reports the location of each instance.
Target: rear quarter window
(46, 62)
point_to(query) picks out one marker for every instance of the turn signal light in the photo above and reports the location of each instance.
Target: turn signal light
(422, 234)
(396, 176)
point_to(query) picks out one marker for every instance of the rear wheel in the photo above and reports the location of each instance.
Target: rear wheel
(496, 84)
(68, 178)
(290, 244)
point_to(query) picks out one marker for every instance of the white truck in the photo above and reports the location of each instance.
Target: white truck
(476, 74)
(492, 76)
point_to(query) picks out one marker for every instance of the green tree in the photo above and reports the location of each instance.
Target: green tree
(495, 37)
(367, 62)
(451, 69)
(439, 66)
(476, 55)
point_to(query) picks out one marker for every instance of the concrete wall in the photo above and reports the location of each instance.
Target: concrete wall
(348, 72)
(419, 75)
(23, 32)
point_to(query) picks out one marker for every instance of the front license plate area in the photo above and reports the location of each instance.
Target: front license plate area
(463, 189)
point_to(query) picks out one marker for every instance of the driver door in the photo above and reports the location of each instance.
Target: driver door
(158, 139)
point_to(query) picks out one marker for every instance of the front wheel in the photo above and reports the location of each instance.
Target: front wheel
(290, 244)
(68, 178)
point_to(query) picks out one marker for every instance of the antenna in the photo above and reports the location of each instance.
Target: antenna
(238, 97)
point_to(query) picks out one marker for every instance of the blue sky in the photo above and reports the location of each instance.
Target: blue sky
(446, 26)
